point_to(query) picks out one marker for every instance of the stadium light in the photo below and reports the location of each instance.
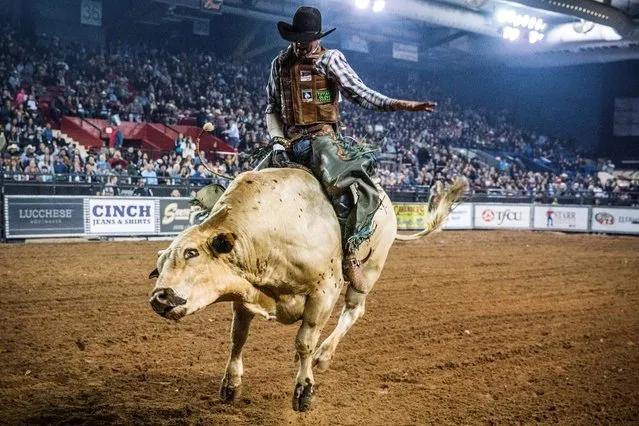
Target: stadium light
(515, 26)
(534, 37)
(510, 33)
(362, 4)
(378, 6)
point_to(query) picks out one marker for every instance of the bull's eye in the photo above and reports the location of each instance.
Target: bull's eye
(191, 252)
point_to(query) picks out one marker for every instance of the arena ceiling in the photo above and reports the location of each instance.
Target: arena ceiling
(459, 33)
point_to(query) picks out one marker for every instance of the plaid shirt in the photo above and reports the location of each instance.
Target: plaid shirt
(332, 65)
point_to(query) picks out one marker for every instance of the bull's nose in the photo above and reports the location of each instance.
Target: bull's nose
(164, 300)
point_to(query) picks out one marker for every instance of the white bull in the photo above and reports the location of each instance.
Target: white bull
(272, 247)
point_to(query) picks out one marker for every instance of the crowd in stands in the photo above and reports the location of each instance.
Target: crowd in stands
(138, 83)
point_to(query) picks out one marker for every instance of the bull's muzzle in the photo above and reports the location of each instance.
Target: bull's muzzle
(164, 300)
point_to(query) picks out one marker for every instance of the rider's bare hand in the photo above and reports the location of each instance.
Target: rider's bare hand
(427, 106)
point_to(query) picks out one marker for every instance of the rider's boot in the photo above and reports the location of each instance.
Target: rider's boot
(353, 270)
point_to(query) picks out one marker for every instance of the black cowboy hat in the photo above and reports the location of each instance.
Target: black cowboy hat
(306, 27)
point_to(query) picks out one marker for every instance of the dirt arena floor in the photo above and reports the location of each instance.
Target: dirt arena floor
(462, 328)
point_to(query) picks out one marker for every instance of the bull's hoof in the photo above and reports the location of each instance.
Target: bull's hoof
(321, 365)
(302, 397)
(229, 393)
(320, 361)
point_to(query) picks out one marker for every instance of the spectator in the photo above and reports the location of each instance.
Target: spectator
(149, 174)
(141, 191)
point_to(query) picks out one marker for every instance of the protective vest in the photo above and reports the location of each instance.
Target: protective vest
(307, 97)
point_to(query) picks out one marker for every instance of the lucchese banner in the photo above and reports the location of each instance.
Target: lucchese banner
(120, 216)
(30, 217)
(176, 215)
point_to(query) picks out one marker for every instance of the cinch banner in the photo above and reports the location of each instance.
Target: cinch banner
(410, 216)
(176, 214)
(120, 216)
(35, 216)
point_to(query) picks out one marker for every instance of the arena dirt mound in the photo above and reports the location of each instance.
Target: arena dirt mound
(462, 328)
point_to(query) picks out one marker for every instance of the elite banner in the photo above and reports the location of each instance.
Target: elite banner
(39, 216)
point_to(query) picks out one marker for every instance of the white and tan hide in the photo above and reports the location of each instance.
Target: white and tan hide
(272, 247)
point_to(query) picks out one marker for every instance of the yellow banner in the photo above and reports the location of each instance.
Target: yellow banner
(410, 216)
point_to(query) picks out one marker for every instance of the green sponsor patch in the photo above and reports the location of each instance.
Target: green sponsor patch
(324, 96)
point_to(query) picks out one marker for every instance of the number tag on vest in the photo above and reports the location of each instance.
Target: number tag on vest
(324, 96)
(307, 95)
(305, 76)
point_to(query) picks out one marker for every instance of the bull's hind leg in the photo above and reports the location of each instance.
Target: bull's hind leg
(231, 387)
(317, 310)
(354, 308)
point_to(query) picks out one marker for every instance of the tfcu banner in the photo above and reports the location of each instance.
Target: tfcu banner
(614, 220)
(410, 216)
(511, 216)
(38, 216)
(561, 218)
(176, 215)
(120, 216)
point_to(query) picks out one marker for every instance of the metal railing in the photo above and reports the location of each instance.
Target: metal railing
(82, 184)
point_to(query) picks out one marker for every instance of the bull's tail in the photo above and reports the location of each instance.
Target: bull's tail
(438, 211)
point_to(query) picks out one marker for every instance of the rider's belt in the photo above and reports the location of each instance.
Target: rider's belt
(298, 133)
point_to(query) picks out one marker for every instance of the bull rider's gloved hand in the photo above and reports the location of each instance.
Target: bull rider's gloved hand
(427, 106)
(279, 157)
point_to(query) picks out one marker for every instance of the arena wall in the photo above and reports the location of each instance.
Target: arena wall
(104, 217)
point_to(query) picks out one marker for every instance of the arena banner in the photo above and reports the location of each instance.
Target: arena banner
(406, 52)
(497, 216)
(43, 217)
(615, 220)
(121, 216)
(354, 42)
(410, 216)
(460, 218)
(560, 218)
(176, 214)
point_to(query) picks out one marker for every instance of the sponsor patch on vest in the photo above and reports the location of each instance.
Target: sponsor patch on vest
(305, 76)
(307, 95)
(324, 96)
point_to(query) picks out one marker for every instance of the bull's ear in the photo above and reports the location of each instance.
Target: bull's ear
(154, 274)
(223, 242)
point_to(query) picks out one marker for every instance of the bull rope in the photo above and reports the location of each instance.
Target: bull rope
(208, 127)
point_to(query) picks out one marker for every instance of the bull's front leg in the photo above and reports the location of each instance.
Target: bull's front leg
(231, 387)
(316, 313)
